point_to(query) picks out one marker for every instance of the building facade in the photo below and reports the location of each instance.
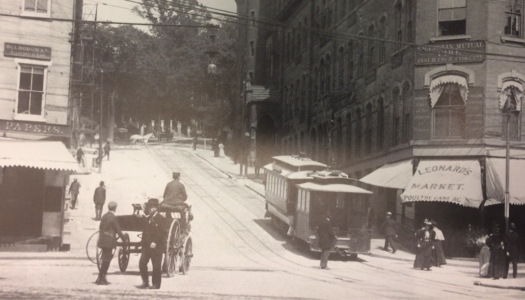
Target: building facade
(34, 127)
(361, 84)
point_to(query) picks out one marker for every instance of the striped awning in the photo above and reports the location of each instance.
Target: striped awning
(36, 154)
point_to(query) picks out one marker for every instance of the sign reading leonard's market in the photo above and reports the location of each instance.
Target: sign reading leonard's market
(26, 51)
(450, 53)
(37, 128)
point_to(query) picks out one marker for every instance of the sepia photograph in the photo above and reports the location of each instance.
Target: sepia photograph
(262, 149)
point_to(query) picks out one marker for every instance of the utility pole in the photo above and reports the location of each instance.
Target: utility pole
(100, 125)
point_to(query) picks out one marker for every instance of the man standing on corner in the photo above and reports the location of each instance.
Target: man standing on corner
(326, 238)
(107, 241)
(389, 226)
(99, 198)
(74, 190)
(513, 253)
(153, 239)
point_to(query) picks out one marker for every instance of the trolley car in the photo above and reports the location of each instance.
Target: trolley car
(179, 244)
(299, 192)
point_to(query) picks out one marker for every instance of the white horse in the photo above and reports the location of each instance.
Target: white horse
(143, 138)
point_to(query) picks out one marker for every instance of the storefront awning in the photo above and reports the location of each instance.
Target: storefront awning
(396, 175)
(495, 179)
(36, 154)
(454, 181)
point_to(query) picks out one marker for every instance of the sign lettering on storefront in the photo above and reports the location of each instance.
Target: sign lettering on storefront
(26, 51)
(29, 127)
(449, 53)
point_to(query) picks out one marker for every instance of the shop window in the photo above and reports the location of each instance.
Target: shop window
(513, 15)
(452, 17)
(31, 92)
(449, 113)
(40, 8)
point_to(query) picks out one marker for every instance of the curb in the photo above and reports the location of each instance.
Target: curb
(253, 189)
(479, 283)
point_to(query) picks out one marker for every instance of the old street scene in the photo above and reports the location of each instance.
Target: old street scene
(262, 149)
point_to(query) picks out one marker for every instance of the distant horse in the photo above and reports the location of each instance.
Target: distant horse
(143, 138)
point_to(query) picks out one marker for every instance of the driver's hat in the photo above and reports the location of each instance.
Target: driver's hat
(153, 202)
(176, 173)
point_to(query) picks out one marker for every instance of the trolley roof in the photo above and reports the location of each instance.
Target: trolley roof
(298, 163)
(334, 188)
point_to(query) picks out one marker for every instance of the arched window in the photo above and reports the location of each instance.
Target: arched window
(371, 49)
(380, 124)
(358, 132)
(396, 113)
(360, 56)
(350, 59)
(510, 98)
(368, 141)
(407, 108)
(398, 25)
(449, 113)
(349, 137)
(341, 66)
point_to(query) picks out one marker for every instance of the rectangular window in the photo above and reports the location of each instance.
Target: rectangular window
(39, 8)
(397, 120)
(452, 17)
(514, 125)
(514, 19)
(31, 92)
(406, 128)
(252, 48)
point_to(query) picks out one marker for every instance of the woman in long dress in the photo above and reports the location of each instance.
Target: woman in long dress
(498, 257)
(437, 242)
(424, 259)
(221, 150)
(484, 259)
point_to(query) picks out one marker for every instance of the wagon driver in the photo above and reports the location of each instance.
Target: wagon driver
(175, 196)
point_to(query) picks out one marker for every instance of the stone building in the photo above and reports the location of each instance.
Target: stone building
(373, 85)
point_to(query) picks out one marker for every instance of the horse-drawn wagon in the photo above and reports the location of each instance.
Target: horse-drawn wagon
(179, 244)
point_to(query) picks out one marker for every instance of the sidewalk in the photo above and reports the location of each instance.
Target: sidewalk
(227, 167)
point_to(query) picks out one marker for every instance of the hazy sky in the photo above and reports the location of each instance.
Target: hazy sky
(120, 10)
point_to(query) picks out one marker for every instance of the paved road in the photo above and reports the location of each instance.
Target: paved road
(237, 254)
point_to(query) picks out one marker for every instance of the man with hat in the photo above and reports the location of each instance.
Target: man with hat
(389, 227)
(175, 195)
(74, 190)
(99, 198)
(107, 241)
(153, 238)
(512, 239)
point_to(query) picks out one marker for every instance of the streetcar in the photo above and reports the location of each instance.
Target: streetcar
(299, 192)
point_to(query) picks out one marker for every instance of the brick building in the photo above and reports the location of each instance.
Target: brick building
(34, 125)
(364, 84)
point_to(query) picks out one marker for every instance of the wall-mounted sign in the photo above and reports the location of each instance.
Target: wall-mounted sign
(35, 128)
(450, 53)
(26, 51)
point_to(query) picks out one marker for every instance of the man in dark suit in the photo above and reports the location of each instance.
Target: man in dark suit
(74, 190)
(107, 241)
(153, 245)
(327, 239)
(389, 226)
(512, 239)
(99, 198)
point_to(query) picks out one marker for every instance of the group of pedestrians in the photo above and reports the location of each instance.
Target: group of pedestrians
(498, 252)
(80, 154)
(429, 246)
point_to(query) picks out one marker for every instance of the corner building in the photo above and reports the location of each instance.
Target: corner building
(363, 84)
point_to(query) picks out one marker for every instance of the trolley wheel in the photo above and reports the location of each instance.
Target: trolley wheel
(123, 254)
(173, 247)
(186, 256)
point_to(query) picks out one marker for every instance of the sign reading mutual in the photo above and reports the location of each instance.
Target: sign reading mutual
(450, 53)
(457, 181)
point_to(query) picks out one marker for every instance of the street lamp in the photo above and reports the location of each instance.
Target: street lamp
(510, 104)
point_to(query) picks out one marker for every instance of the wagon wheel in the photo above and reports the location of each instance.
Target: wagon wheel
(186, 256)
(123, 254)
(92, 249)
(172, 247)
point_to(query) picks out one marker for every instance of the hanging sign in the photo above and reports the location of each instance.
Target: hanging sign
(27, 51)
(446, 181)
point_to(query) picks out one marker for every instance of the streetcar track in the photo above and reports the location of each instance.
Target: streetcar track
(330, 277)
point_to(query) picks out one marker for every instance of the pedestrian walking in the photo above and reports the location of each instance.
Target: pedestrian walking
(99, 198)
(107, 241)
(512, 240)
(437, 242)
(389, 228)
(221, 150)
(215, 148)
(326, 238)
(107, 148)
(194, 143)
(80, 156)
(74, 190)
(484, 259)
(424, 258)
(153, 238)
(498, 254)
